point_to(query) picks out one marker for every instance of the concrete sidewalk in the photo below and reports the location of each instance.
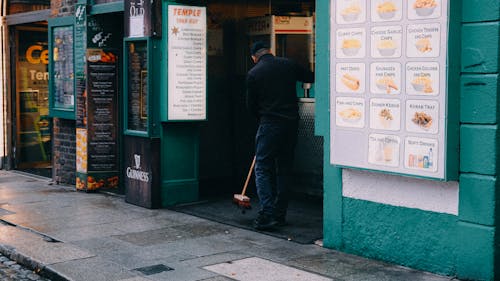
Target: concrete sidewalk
(71, 235)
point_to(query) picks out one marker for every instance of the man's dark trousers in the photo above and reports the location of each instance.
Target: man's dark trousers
(275, 144)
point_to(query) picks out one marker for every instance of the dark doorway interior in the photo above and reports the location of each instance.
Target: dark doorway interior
(32, 127)
(227, 138)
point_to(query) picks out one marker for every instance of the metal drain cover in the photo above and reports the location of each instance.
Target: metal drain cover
(153, 269)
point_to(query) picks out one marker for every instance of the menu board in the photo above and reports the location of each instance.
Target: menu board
(102, 85)
(137, 98)
(388, 85)
(187, 62)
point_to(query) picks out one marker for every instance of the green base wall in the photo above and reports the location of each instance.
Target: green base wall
(410, 237)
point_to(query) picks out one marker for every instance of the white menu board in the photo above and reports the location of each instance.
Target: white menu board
(388, 85)
(187, 62)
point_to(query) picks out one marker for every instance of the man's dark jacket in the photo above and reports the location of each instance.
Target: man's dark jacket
(271, 87)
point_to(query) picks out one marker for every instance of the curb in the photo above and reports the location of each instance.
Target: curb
(32, 264)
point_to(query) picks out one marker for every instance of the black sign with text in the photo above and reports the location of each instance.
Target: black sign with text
(142, 171)
(142, 18)
(102, 85)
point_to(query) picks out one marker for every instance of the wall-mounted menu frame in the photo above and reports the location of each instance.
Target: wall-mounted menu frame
(184, 93)
(139, 108)
(62, 68)
(393, 86)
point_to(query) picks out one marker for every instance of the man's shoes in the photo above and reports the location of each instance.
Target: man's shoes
(264, 222)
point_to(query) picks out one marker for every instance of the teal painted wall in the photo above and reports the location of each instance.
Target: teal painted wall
(479, 240)
(410, 237)
(179, 163)
(467, 245)
(332, 180)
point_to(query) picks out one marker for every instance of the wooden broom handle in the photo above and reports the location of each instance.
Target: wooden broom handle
(248, 177)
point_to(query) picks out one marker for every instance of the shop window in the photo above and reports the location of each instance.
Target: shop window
(136, 87)
(61, 68)
(23, 6)
(33, 125)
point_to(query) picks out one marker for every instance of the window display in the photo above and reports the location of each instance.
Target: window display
(137, 96)
(63, 67)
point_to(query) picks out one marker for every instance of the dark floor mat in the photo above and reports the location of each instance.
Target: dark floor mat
(304, 219)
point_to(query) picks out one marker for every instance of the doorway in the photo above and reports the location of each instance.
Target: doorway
(227, 138)
(32, 127)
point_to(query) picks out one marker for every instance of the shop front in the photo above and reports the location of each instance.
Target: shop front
(404, 100)
(28, 138)
(410, 152)
(187, 135)
(85, 51)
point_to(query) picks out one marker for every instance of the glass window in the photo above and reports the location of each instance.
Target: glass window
(63, 67)
(32, 76)
(137, 95)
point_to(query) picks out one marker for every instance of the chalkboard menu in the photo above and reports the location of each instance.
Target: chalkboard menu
(137, 101)
(63, 65)
(102, 85)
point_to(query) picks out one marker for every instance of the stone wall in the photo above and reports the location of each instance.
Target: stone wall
(64, 151)
(62, 8)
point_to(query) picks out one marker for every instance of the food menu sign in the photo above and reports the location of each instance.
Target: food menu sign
(102, 85)
(187, 62)
(388, 85)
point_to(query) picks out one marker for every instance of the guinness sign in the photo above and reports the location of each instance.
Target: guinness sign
(142, 171)
(136, 172)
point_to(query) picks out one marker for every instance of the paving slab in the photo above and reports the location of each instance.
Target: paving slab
(136, 279)
(34, 246)
(143, 224)
(182, 273)
(85, 232)
(153, 237)
(216, 258)
(251, 269)
(95, 269)
(393, 273)
(336, 264)
(198, 247)
(218, 278)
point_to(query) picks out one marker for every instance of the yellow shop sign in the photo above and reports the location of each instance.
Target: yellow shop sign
(35, 54)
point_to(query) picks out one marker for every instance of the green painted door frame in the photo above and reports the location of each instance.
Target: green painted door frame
(179, 140)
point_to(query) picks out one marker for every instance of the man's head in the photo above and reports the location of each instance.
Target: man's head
(258, 49)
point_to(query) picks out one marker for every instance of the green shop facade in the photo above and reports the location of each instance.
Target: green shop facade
(405, 105)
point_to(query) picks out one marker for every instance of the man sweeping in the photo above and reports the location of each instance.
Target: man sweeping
(272, 98)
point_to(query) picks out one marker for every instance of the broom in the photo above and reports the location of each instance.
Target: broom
(241, 200)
